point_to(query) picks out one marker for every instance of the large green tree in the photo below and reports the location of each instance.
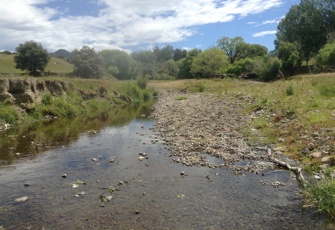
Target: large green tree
(87, 63)
(186, 63)
(210, 62)
(288, 53)
(232, 46)
(119, 64)
(307, 24)
(31, 56)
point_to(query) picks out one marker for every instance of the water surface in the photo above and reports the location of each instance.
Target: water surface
(149, 194)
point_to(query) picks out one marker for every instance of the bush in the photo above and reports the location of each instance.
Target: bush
(290, 90)
(266, 68)
(326, 56)
(142, 82)
(241, 66)
(322, 195)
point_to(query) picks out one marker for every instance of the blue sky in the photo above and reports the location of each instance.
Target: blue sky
(132, 25)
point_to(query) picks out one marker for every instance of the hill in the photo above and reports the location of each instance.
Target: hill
(62, 53)
(55, 65)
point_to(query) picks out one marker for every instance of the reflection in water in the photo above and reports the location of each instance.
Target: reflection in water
(27, 141)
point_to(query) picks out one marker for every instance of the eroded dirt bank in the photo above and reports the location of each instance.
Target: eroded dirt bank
(202, 126)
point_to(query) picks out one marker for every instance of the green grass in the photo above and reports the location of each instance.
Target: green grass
(322, 195)
(55, 65)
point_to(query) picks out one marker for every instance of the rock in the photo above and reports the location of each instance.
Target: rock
(94, 159)
(79, 194)
(26, 184)
(120, 182)
(18, 154)
(137, 212)
(317, 177)
(182, 173)
(280, 148)
(64, 175)
(111, 160)
(143, 154)
(21, 199)
(316, 154)
(141, 158)
(327, 159)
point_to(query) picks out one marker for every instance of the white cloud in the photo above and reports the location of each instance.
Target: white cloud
(120, 23)
(263, 33)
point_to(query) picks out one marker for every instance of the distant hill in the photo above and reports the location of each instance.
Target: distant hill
(62, 53)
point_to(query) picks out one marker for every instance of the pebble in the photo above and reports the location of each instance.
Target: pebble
(64, 175)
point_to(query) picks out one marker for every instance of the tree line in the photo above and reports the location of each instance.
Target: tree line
(307, 32)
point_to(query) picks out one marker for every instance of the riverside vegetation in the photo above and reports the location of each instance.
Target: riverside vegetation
(296, 117)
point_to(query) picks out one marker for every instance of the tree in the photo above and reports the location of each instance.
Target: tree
(87, 63)
(232, 46)
(119, 64)
(186, 63)
(148, 63)
(179, 54)
(326, 56)
(288, 53)
(308, 25)
(31, 56)
(251, 51)
(210, 62)
(163, 54)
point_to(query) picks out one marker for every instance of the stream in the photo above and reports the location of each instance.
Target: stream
(113, 172)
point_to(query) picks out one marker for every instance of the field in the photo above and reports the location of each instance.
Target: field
(55, 65)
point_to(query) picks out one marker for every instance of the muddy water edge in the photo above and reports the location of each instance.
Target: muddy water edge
(119, 172)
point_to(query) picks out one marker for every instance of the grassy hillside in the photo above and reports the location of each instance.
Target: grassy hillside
(55, 65)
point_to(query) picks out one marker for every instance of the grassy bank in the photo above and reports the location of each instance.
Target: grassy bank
(297, 115)
(55, 65)
(82, 98)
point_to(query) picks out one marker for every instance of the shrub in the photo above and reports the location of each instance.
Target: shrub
(266, 68)
(290, 90)
(142, 82)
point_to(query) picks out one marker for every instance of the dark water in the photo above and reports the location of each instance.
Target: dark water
(153, 194)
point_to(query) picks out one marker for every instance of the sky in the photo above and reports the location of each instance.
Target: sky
(133, 25)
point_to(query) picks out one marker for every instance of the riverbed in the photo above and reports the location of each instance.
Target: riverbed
(123, 175)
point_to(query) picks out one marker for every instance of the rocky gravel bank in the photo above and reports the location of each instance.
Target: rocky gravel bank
(202, 130)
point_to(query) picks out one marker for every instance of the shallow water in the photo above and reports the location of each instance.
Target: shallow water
(153, 194)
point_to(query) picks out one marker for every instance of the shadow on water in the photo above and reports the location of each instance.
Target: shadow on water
(149, 193)
(29, 141)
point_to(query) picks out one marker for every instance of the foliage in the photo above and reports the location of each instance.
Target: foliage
(179, 54)
(326, 56)
(119, 64)
(252, 51)
(288, 53)
(186, 63)
(209, 62)
(289, 90)
(87, 63)
(266, 68)
(232, 46)
(163, 54)
(142, 82)
(322, 195)
(31, 56)
(240, 67)
(307, 24)
(8, 114)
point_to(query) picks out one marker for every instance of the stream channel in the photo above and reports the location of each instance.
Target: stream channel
(107, 186)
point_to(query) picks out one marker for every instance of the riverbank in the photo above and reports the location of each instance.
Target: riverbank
(226, 124)
(26, 100)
